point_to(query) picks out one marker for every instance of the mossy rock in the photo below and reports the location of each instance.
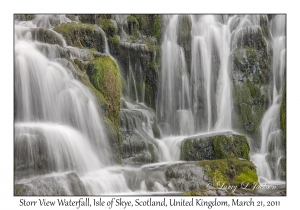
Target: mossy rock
(81, 68)
(46, 36)
(133, 25)
(88, 18)
(108, 26)
(82, 35)
(251, 76)
(232, 171)
(283, 117)
(218, 146)
(150, 25)
(105, 76)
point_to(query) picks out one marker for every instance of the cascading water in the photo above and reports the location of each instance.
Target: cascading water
(207, 105)
(60, 143)
(57, 123)
(200, 99)
(272, 151)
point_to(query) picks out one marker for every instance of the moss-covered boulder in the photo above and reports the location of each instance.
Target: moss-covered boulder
(82, 35)
(217, 146)
(105, 76)
(241, 173)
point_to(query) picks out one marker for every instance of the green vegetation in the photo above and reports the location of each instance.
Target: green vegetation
(192, 193)
(230, 172)
(283, 116)
(216, 147)
(105, 76)
(133, 25)
(108, 26)
(82, 35)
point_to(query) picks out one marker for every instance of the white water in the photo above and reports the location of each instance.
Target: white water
(56, 112)
(204, 95)
(271, 144)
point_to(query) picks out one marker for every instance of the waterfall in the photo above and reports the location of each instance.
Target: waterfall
(58, 127)
(271, 151)
(202, 94)
(174, 92)
(60, 144)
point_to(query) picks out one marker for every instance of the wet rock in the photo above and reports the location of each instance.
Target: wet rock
(55, 185)
(46, 35)
(215, 146)
(139, 145)
(251, 61)
(82, 35)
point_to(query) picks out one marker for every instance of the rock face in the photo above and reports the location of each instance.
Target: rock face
(217, 146)
(251, 60)
(138, 55)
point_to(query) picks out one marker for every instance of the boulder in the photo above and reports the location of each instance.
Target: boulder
(215, 146)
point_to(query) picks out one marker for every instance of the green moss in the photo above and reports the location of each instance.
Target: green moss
(80, 67)
(81, 35)
(192, 193)
(133, 38)
(230, 172)
(108, 26)
(104, 75)
(283, 116)
(133, 25)
(158, 27)
(215, 147)
(246, 177)
(223, 147)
